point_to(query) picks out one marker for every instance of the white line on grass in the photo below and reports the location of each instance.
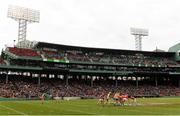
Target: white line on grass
(13, 110)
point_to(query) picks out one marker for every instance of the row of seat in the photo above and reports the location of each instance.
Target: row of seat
(24, 52)
(52, 54)
(2, 61)
(93, 57)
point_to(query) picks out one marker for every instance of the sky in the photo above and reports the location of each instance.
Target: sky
(97, 23)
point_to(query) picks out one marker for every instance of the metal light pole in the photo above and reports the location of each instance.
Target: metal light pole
(23, 16)
(138, 33)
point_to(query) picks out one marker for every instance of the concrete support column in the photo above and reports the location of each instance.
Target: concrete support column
(91, 81)
(156, 82)
(7, 77)
(39, 79)
(137, 82)
(30, 74)
(55, 75)
(67, 83)
(116, 84)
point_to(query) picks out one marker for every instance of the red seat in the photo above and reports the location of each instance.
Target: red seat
(24, 52)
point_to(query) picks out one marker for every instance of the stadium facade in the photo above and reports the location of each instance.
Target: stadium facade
(54, 61)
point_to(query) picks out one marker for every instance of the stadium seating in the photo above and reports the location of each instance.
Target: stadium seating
(24, 52)
(2, 61)
(52, 54)
(73, 56)
(96, 57)
(122, 59)
(27, 88)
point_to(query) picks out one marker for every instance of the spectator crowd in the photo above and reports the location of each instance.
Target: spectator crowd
(30, 89)
(97, 57)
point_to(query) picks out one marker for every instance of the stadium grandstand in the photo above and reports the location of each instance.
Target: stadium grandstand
(73, 71)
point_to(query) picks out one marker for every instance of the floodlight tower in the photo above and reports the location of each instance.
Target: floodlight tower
(138, 33)
(23, 16)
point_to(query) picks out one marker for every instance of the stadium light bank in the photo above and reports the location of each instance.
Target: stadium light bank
(23, 16)
(138, 33)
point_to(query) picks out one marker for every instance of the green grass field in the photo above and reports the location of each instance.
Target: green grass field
(146, 106)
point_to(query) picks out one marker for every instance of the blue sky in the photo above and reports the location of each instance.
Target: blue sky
(97, 23)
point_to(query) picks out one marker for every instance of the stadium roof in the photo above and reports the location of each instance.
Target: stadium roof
(174, 48)
(89, 49)
(158, 50)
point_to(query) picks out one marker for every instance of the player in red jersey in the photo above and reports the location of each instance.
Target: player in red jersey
(123, 99)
